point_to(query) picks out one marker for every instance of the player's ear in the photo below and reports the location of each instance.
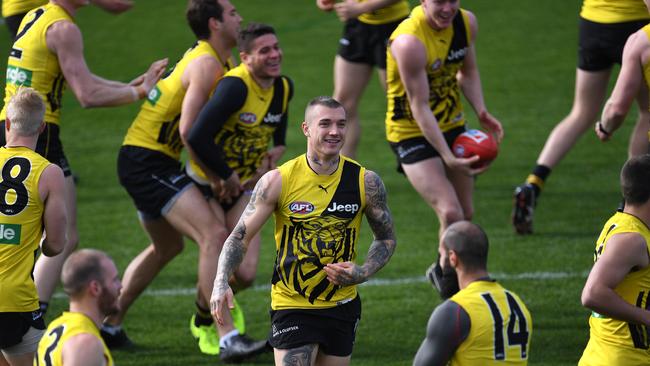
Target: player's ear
(305, 128)
(8, 124)
(94, 287)
(453, 258)
(41, 128)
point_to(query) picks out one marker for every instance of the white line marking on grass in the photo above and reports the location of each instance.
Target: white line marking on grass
(540, 276)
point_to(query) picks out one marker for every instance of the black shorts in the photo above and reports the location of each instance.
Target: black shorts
(600, 45)
(48, 146)
(333, 329)
(366, 43)
(208, 193)
(416, 149)
(13, 326)
(153, 180)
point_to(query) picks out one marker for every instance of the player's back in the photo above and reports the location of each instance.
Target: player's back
(21, 227)
(501, 326)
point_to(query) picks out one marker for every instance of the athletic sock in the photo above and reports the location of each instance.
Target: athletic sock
(42, 305)
(223, 341)
(111, 329)
(203, 316)
(538, 177)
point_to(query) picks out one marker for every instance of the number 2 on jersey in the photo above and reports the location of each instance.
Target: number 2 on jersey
(517, 336)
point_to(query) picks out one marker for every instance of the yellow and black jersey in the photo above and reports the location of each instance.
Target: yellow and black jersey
(156, 125)
(317, 221)
(612, 341)
(233, 131)
(500, 326)
(389, 14)
(61, 329)
(446, 50)
(15, 7)
(32, 64)
(21, 227)
(614, 11)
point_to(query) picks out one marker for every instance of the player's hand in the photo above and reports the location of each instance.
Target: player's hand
(231, 188)
(151, 77)
(492, 125)
(603, 134)
(348, 9)
(220, 301)
(325, 5)
(264, 167)
(464, 165)
(345, 273)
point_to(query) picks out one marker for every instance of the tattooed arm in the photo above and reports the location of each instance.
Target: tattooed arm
(259, 209)
(381, 248)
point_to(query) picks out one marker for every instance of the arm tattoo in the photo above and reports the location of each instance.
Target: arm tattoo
(300, 356)
(381, 223)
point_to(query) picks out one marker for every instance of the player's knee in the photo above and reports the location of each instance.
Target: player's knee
(168, 251)
(212, 239)
(244, 278)
(449, 215)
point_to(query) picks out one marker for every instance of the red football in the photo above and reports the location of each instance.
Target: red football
(476, 142)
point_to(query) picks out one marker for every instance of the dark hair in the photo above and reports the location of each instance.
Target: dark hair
(199, 13)
(249, 34)
(80, 268)
(635, 180)
(325, 101)
(469, 242)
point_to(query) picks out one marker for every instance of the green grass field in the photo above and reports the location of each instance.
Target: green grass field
(527, 56)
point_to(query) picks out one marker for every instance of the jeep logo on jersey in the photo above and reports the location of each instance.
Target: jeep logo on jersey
(19, 76)
(273, 118)
(455, 55)
(9, 234)
(248, 118)
(154, 95)
(353, 208)
(300, 207)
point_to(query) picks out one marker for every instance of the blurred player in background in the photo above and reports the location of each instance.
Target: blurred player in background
(230, 138)
(604, 28)
(362, 47)
(32, 201)
(431, 59)
(618, 287)
(484, 323)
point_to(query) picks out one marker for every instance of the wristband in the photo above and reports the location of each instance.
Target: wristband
(602, 129)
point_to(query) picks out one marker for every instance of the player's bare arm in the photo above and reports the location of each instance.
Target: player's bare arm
(384, 243)
(259, 209)
(114, 6)
(410, 56)
(51, 188)
(624, 253)
(630, 79)
(64, 38)
(83, 350)
(469, 79)
(350, 9)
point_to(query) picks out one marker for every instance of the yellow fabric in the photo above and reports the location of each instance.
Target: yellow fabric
(59, 331)
(480, 346)
(317, 221)
(31, 63)
(614, 11)
(21, 227)
(611, 338)
(15, 7)
(442, 67)
(533, 179)
(391, 13)
(245, 139)
(156, 125)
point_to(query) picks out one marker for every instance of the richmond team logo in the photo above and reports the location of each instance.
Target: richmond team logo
(300, 207)
(248, 118)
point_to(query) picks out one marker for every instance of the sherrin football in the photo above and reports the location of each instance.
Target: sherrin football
(476, 142)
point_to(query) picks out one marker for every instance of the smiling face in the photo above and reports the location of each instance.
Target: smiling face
(265, 58)
(325, 129)
(440, 13)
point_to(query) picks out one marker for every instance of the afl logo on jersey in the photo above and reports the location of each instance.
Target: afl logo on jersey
(436, 64)
(248, 118)
(300, 207)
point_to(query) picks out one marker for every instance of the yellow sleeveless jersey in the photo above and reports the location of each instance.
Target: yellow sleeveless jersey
(391, 13)
(32, 64)
(317, 222)
(646, 67)
(246, 134)
(446, 51)
(15, 7)
(611, 341)
(61, 329)
(156, 125)
(493, 338)
(614, 11)
(21, 227)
